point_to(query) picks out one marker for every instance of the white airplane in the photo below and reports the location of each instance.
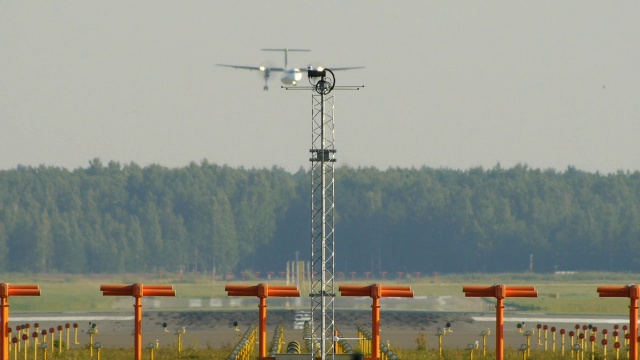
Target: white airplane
(290, 76)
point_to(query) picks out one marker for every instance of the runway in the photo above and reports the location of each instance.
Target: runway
(216, 329)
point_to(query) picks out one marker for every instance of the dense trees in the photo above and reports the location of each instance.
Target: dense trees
(115, 218)
(128, 219)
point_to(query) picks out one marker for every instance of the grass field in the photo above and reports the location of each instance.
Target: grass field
(222, 354)
(559, 294)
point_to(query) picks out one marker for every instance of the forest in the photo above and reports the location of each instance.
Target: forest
(204, 217)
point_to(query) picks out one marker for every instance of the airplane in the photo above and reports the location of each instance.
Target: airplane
(290, 76)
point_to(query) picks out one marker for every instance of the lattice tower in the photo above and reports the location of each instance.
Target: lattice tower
(322, 230)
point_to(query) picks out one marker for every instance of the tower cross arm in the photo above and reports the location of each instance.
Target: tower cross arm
(499, 291)
(7, 290)
(137, 290)
(262, 290)
(376, 291)
(630, 291)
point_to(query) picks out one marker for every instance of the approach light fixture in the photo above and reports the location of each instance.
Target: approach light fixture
(316, 73)
(322, 82)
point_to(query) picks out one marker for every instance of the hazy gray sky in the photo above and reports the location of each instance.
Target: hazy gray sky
(453, 84)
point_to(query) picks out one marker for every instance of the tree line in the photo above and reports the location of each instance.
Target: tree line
(118, 218)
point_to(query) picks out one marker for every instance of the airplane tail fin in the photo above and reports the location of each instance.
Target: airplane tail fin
(286, 53)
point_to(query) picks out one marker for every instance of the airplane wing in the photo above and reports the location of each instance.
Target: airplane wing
(258, 68)
(336, 69)
(345, 68)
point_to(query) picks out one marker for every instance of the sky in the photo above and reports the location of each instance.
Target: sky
(447, 84)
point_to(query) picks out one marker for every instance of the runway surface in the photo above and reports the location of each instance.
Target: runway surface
(398, 328)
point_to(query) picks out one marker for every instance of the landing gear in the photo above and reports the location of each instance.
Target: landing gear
(267, 73)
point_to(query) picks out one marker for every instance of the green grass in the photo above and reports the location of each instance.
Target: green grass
(127, 354)
(223, 353)
(559, 294)
(82, 293)
(509, 354)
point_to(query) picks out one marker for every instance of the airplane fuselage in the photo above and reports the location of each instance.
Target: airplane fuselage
(291, 76)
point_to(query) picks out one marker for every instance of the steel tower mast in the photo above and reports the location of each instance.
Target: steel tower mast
(322, 229)
(322, 211)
